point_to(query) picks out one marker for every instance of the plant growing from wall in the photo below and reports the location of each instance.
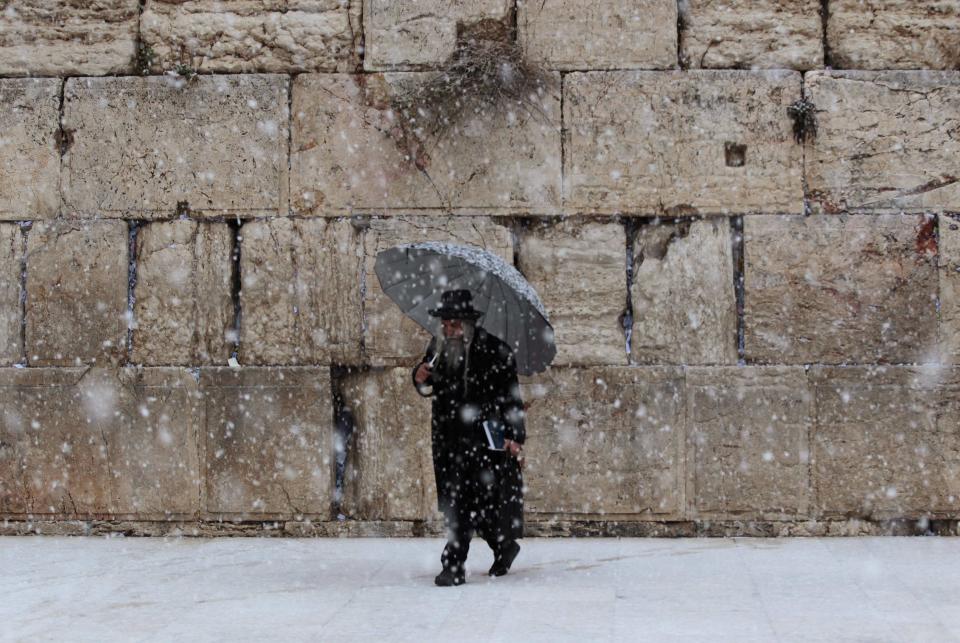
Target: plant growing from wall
(804, 115)
(487, 75)
(187, 66)
(143, 59)
(185, 71)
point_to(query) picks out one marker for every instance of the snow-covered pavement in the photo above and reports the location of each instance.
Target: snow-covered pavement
(139, 589)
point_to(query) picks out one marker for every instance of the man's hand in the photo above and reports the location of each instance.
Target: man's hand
(423, 373)
(513, 448)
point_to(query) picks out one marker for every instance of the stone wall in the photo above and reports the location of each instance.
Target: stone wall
(758, 327)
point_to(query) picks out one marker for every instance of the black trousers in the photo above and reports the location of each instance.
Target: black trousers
(475, 506)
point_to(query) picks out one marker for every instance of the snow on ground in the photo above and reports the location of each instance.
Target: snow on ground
(142, 589)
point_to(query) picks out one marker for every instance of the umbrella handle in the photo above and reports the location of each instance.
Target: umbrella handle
(436, 352)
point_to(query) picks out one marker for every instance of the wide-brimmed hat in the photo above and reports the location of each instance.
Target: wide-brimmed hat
(456, 304)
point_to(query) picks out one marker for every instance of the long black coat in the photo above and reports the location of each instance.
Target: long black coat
(468, 474)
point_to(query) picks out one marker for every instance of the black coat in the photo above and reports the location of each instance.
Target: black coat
(486, 482)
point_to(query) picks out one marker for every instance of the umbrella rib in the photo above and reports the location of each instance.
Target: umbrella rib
(506, 315)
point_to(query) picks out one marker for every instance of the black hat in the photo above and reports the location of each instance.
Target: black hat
(456, 304)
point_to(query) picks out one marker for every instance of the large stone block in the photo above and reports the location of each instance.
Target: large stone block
(681, 142)
(886, 442)
(11, 289)
(885, 141)
(183, 308)
(840, 289)
(605, 441)
(949, 265)
(56, 38)
(748, 441)
(890, 34)
(420, 33)
(243, 36)
(751, 34)
(390, 459)
(97, 443)
(76, 308)
(350, 154)
(145, 147)
(29, 159)
(301, 292)
(268, 448)
(391, 338)
(579, 271)
(604, 34)
(684, 304)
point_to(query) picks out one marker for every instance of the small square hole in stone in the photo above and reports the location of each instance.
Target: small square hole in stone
(735, 153)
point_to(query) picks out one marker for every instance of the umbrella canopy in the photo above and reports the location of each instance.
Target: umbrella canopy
(415, 275)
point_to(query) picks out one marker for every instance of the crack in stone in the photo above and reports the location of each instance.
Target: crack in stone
(196, 345)
(943, 181)
(132, 232)
(236, 282)
(736, 229)
(824, 21)
(296, 509)
(25, 227)
(630, 226)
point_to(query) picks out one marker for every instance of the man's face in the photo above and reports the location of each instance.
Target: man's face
(452, 328)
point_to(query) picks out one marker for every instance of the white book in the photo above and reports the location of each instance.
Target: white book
(494, 436)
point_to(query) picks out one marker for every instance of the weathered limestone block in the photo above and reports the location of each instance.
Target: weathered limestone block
(11, 256)
(98, 443)
(886, 441)
(605, 441)
(268, 442)
(144, 147)
(578, 270)
(76, 307)
(600, 34)
(391, 338)
(420, 33)
(300, 298)
(890, 34)
(681, 142)
(885, 141)
(949, 264)
(29, 160)
(684, 304)
(350, 154)
(751, 34)
(748, 440)
(56, 38)
(840, 289)
(390, 460)
(183, 308)
(243, 36)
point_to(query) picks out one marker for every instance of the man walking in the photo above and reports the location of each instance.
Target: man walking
(477, 436)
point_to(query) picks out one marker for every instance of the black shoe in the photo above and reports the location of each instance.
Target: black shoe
(448, 578)
(501, 565)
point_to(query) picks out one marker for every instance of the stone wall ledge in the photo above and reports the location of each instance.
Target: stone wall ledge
(851, 527)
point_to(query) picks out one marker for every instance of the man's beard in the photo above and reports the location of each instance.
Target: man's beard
(451, 356)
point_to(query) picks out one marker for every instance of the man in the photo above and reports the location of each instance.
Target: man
(472, 377)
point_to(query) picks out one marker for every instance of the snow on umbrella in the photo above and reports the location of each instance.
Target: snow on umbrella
(415, 275)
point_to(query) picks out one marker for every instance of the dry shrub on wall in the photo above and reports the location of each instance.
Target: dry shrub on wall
(487, 76)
